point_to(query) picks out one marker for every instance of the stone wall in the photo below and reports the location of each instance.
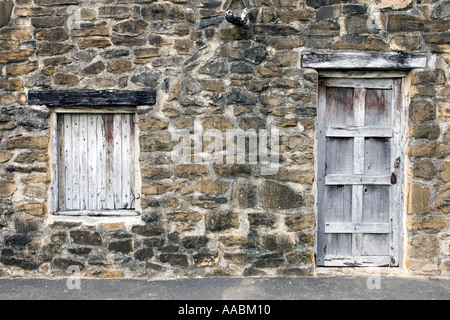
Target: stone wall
(208, 219)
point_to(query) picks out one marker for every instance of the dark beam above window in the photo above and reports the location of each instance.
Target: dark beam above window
(364, 61)
(91, 98)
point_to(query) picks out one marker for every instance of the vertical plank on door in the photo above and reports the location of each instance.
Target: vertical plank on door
(60, 167)
(109, 150)
(92, 160)
(126, 164)
(117, 167)
(133, 160)
(397, 163)
(75, 155)
(68, 162)
(83, 184)
(339, 159)
(358, 168)
(320, 164)
(101, 163)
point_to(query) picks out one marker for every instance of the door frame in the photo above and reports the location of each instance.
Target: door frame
(399, 232)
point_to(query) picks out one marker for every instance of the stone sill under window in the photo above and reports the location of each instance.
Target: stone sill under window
(127, 221)
(102, 213)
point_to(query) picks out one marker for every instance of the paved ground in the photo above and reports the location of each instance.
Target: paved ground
(301, 288)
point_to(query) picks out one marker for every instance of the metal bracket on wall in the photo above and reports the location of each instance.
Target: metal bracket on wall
(240, 20)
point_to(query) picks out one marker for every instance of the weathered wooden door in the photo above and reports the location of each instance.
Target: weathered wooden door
(359, 171)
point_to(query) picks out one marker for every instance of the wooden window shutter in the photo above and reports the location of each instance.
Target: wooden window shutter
(95, 162)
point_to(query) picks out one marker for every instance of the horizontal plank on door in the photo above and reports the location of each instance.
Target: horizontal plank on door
(348, 132)
(362, 74)
(345, 179)
(357, 261)
(98, 213)
(384, 84)
(347, 227)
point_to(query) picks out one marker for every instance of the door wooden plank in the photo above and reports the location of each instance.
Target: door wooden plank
(83, 163)
(360, 83)
(68, 165)
(75, 155)
(378, 108)
(321, 242)
(343, 179)
(133, 163)
(358, 149)
(117, 168)
(351, 132)
(109, 157)
(339, 155)
(357, 227)
(362, 74)
(126, 162)
(92, 153)
(356, 261)
(61, 164)
(376, 244)
(101, 163)
(357, 207)
(377, 156)
(399, 124)
(54, 152)
(339, 107)
(358, 164)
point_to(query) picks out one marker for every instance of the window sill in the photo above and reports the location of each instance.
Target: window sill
(128, 221)
(105, 213)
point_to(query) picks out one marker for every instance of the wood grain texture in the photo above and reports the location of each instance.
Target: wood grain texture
(96, 162)
(364, 61)
(91, 98)
(359, 125)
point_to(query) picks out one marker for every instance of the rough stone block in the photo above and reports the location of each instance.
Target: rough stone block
(235, 240)
(5, 12)
(191, 171)
(158, 141)
(428, 223)
(442, 200)
(422, 110)
(26, 223)
(122, 246)
(86, 237)
(276, 242)
(206, 258)
(174, 259)
(143, 254)
(244, 196)
(181, 215)
(194, 242)
(418, 199)
(423, 168)
(279, 196)
(424, 247)
(221, 221)
(28, 142)
(271, 260)
(211, 187)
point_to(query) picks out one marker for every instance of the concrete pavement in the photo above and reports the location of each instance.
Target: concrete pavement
(280, 288)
